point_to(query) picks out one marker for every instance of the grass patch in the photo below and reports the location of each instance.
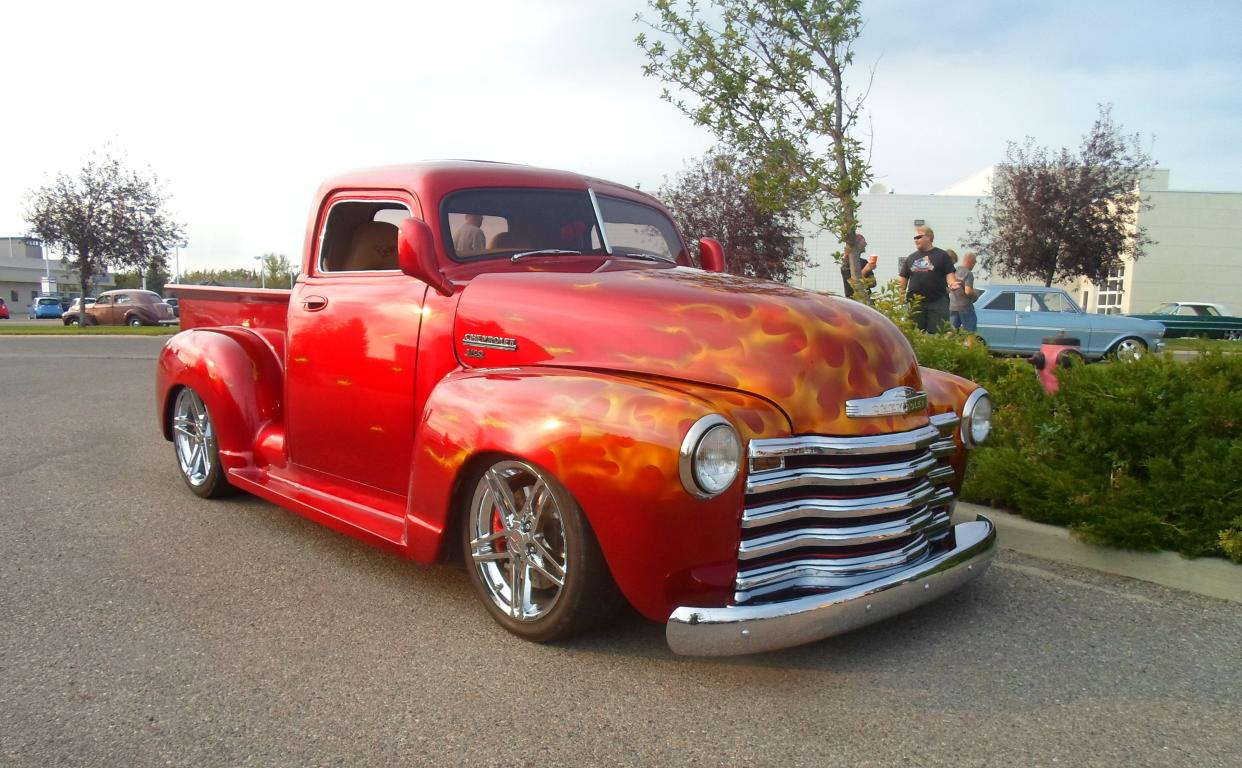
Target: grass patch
(73, 330)
(1203, 345)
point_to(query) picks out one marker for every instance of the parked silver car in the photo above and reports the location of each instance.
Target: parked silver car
(1017, 318)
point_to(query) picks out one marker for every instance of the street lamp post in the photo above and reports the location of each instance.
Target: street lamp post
(177, 256)
(262, 272)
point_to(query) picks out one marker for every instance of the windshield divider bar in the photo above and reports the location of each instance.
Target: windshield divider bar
(599, 221)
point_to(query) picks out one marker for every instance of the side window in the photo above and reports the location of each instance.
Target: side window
(1186, 311)
(124, 298)
(361, 236)
(1052, 302)
(104, 301)
(1004, 301)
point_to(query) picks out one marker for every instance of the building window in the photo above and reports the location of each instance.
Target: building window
(1108, 298)
(13, 296)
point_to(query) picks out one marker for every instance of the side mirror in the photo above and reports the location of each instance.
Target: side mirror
(711, 254)
(416, 253)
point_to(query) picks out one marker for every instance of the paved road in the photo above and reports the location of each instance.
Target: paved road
(141, 626)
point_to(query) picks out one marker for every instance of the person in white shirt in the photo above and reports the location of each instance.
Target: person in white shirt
(470, 237)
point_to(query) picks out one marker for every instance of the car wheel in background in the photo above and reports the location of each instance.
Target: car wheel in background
(71, 321)
(531, 555)
(194, 439)
(1129, 349)
(135, 321)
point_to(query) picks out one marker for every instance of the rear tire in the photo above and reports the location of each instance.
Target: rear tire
(532, 557)
(194, 440)
(134, 322)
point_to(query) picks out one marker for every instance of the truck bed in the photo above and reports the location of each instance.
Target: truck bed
(214, 306)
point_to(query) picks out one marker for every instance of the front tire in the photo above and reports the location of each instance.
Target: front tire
(134, 322)
(1129, 349)
(194, 440)
(532, 557)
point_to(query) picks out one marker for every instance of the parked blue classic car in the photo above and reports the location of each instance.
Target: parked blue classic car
(1017, 318)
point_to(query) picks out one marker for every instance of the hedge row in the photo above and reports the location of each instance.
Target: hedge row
(1144, 455)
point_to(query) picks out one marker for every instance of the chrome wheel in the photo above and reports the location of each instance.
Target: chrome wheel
(1129, 349)
(195, 440)
(518, 544)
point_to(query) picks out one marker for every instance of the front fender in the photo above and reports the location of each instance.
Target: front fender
(613, 441)
(238, 378)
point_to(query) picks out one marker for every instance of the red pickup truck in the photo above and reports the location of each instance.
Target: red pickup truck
(523, 369)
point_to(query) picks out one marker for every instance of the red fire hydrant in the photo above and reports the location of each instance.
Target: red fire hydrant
(1055, 352)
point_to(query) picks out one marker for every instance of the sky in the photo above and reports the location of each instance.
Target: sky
(242, 108)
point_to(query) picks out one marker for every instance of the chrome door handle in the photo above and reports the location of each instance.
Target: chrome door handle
(314, 303)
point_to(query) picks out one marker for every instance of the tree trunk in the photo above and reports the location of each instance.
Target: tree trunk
(849, 203)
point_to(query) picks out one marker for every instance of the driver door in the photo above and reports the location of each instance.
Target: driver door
(352, 348)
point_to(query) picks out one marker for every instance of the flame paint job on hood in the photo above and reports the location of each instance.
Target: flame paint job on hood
(804, 351)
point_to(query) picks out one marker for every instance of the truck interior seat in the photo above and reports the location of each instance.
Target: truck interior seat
(372, 247)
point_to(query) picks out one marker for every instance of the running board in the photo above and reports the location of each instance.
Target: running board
(378, 516)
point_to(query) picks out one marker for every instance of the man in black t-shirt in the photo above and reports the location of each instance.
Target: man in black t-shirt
(929, 274)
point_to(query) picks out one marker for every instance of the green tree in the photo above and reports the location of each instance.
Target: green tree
(712, 197)
(106, 217)
(277, 272)
(1059, 216)
(767, 77)
(153, 279)
(237, 276)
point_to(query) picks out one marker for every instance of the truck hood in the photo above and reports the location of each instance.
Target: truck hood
(806, 352)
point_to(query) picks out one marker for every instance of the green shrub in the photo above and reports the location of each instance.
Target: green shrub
(1231, 540)
(1145, 455)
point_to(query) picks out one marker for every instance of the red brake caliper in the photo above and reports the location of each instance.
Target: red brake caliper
(497, 526)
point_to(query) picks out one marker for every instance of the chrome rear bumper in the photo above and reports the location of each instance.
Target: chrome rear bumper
(743, 629)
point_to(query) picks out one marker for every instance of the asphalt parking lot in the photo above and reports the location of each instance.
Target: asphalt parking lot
(142, 626)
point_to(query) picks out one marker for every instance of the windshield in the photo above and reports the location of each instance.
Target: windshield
(491, 223)
(1165, 309)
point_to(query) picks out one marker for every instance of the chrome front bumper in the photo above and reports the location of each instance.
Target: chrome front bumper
(742, 629)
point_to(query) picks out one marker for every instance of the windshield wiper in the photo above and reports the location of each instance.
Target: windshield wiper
(644, 257)
(544, 252)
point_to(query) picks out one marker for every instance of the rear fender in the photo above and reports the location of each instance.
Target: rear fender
(614, 443)
(238, 378)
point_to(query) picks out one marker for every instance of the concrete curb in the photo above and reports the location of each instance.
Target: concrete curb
(1205, 576)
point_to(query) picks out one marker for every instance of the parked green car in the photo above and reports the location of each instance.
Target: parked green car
(1196, 318)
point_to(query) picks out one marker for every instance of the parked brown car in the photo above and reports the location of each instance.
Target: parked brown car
(133, 307)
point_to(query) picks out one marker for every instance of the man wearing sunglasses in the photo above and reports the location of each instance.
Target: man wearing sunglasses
(928, 273)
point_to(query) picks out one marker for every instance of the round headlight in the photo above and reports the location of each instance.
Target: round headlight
(711, 456)
(976, 418)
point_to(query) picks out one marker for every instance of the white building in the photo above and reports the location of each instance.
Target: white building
(1196, 256)
(25, 274)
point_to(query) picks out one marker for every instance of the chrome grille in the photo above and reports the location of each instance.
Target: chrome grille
(825, 513)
